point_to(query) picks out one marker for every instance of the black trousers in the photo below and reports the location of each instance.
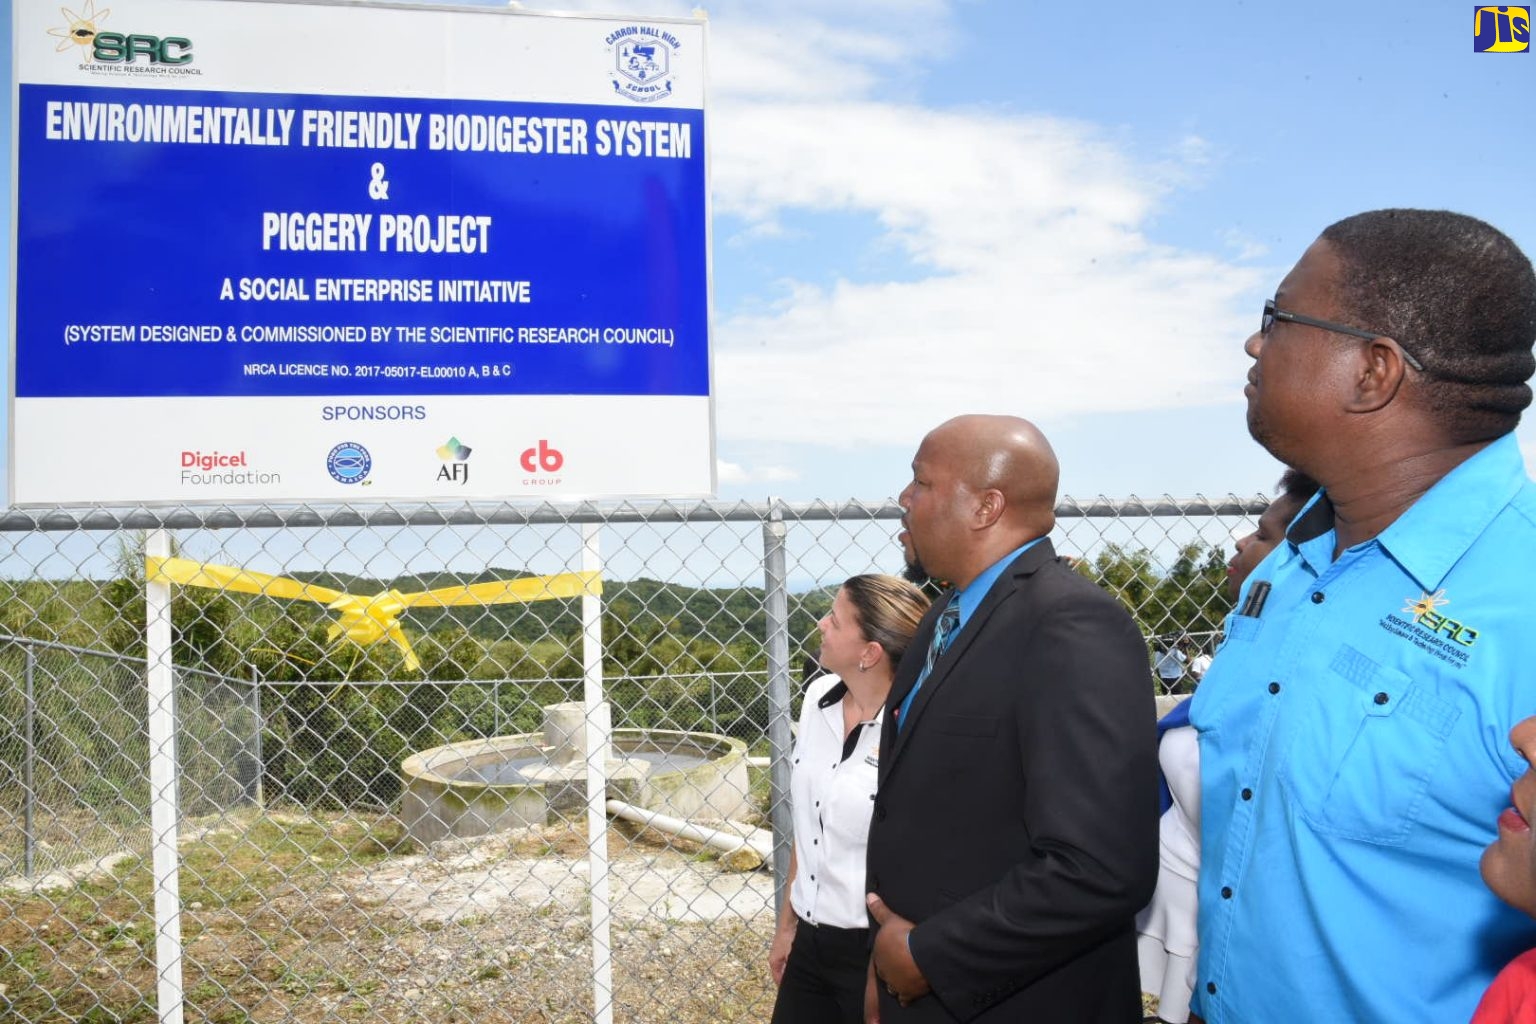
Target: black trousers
(824, 978)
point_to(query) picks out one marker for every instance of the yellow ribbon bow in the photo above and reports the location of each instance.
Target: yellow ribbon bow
(367, 620)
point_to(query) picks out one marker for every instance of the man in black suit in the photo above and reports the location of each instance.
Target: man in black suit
(1014, 835)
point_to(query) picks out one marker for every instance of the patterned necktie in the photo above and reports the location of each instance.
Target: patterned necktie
(949, 618)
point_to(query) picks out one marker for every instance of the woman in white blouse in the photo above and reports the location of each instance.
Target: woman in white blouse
(820, 952)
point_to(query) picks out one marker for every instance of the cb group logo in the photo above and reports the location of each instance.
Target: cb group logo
(1501, 29)
(542, 463)
(544, 458)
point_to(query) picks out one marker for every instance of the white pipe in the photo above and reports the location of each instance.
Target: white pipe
(743, 853)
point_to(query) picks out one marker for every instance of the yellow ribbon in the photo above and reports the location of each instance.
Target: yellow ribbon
(367, 620)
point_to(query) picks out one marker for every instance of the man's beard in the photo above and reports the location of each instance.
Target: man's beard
(914, 573)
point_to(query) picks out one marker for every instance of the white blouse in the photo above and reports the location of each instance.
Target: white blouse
(831, 800)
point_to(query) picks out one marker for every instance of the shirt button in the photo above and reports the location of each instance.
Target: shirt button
(1274, 687)
(815, 842)
(1247, 793)
(1318, 598)
(1210, 987)
(1381, 698)
(1226, 892)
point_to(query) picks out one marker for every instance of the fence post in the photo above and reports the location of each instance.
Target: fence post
(261, 727)
(599, 735)
(164, 798)
(29, 814)
(776, 612)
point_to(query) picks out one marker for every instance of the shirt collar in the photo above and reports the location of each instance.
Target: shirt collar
(833, 695)
(1435, 531)
(970, 598)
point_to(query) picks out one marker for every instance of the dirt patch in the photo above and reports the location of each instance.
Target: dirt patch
(313, 920)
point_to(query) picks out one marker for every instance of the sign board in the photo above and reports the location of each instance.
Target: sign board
(276, 252)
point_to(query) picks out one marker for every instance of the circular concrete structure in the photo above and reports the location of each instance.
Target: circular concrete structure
(481, 786)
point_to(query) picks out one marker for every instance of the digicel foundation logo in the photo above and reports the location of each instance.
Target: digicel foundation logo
(216, 468)
(544, 458)
(206, 461)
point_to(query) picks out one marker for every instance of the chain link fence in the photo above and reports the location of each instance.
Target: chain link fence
(380, 804)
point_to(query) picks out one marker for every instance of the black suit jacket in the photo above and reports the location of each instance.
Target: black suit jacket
(1016, 818)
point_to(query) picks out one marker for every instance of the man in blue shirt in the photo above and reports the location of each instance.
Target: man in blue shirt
(1353, 728)
(1014, 834)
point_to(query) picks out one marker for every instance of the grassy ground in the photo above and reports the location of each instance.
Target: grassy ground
(273, 932)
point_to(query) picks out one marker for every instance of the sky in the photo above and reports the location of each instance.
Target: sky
(1071, 213)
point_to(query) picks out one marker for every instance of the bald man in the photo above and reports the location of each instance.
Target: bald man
(1014, 835)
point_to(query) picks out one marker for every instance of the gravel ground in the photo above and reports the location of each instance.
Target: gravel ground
(489, 931)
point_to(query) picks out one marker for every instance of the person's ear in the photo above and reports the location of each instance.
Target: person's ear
(1379, 377)
(989, 507)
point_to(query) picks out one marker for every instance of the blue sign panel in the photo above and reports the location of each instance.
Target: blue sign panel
(223, 244)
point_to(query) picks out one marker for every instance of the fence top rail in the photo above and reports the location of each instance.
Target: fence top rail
(27, 642)
(191, 517)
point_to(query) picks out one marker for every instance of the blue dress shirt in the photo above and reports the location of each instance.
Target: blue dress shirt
(975, 592)
(1354, 758)
(968, 600)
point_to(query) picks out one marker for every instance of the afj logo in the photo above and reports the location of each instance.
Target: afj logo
(1501, 29)
(455, 458)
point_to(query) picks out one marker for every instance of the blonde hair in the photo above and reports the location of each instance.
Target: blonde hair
(888, 608)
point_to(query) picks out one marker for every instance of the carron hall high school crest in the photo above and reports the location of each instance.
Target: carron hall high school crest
(642, 62)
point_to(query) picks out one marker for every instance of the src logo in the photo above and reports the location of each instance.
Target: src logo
(81, 30)
(543, 458)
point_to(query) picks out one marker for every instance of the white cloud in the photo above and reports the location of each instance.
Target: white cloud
(1040, 290)
(735, 473)
(1044, 296)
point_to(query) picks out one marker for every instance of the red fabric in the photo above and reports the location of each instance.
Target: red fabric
(1511, 999)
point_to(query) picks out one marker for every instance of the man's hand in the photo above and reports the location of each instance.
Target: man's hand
(892, 960)
(872, 997)
(778, 953)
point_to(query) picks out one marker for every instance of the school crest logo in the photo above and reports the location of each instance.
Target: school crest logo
(642, 62)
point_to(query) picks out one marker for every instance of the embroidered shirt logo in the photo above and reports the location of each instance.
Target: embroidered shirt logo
(1421, 623)
(1425, 611)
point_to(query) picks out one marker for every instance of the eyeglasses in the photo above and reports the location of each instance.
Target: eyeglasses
(1273, 313)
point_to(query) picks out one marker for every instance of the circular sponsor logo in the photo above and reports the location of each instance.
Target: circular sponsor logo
(349, 462)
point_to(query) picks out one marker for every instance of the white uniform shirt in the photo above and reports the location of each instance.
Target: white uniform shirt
(831, 799)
